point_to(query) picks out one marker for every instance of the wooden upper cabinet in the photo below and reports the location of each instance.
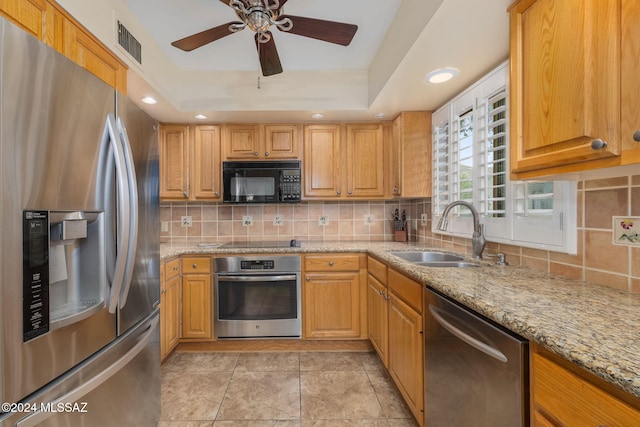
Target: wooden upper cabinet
(411, 154)
(174, 166)
(48, 22)
(206, 173)
(242, 142)
(82, 48)
(365, 160)
(190, 162)
(282, 141)
(261, 142)
(564, 85)
(630, 82)
(322, 161)
(30, 15)
(334, 169)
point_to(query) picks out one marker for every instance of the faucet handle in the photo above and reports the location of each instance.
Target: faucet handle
(502, 258)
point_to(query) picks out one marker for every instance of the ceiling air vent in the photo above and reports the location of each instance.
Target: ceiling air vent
(129, 43)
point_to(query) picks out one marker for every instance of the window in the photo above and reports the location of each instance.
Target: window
(471, 163)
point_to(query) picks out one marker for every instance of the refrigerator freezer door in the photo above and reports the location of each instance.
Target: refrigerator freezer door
(119, 386)
(141, 294)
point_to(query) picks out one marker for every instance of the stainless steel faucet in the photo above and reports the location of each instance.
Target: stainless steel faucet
(477, 240)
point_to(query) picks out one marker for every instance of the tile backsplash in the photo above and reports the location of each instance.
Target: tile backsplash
(218, 222)
(598, 259)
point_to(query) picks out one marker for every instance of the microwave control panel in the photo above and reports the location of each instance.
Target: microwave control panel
(290, 185)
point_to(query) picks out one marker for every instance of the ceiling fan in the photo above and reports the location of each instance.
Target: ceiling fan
(259, 16)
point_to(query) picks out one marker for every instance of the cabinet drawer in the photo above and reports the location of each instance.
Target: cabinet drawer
(332, 262)
(196, 265)
(377, 270)
(171, 268)
(406, 289)
(567, 399)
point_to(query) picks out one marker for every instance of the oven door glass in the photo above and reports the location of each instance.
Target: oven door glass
(257, 297)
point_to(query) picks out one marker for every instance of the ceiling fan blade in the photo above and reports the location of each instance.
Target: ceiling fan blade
(268, 55)
(202, 38)
(328, 31)
(226, 2)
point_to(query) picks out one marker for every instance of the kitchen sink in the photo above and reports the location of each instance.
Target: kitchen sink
(456, 264)
(426, 256)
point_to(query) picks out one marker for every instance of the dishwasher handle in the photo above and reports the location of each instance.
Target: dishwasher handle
(487, 349)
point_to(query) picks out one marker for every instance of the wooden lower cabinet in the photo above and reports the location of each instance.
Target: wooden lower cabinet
(406, 354)
(562, 395)
(197, 301)
(169, 307)
(377, 309)
(334, 301)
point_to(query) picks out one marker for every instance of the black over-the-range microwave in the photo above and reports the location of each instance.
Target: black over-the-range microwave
(261, 182)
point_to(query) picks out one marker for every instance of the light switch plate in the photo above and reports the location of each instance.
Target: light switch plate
(164, 226)
(186, 221)
(626, 230)
(368, 219)
(278, 220)
(247, 220)
(323, 220)
(424, 218)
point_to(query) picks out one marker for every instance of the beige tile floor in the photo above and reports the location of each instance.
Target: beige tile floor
(298, 389)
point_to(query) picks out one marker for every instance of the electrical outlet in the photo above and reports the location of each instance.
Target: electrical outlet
(323, 220)
(164, 226)
(278, 220)
(247, 220)
(186, 221)
(368, 219)
(424, 218)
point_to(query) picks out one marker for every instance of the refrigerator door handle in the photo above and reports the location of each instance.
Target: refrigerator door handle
(133, 212)
(78, 393)
(122, 187)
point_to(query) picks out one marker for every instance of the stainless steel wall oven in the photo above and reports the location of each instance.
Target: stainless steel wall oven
(257, 297)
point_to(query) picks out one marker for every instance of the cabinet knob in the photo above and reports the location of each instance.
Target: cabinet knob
(636, 136)
(184, 193)
(175, 268)
(598, 144)
(215, 193)
(330, 263)
(338, 192)
(255, 153)
(195, 265)
(308, 279)
(266, 154)
(349, 192)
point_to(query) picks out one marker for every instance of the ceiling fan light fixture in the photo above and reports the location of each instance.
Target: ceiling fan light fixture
(441, 75)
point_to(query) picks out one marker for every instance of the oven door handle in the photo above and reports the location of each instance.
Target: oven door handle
(257, 278)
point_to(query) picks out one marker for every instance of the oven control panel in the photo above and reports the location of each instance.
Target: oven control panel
(268, 264)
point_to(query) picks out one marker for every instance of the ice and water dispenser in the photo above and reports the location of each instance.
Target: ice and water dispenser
(64, 269)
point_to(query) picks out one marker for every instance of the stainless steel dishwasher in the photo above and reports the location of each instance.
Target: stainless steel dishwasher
(476, 372)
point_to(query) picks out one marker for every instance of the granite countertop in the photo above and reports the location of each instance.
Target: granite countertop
(595, 327)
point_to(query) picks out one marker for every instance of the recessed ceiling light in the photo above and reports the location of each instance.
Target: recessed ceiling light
(441, 75)
(148, 100)
(380, 115)
(317, 116)
(200, 116)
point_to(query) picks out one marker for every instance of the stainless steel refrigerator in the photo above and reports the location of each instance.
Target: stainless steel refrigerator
(79, 245)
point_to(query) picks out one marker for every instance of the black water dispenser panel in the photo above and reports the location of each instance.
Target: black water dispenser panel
(35, 276)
